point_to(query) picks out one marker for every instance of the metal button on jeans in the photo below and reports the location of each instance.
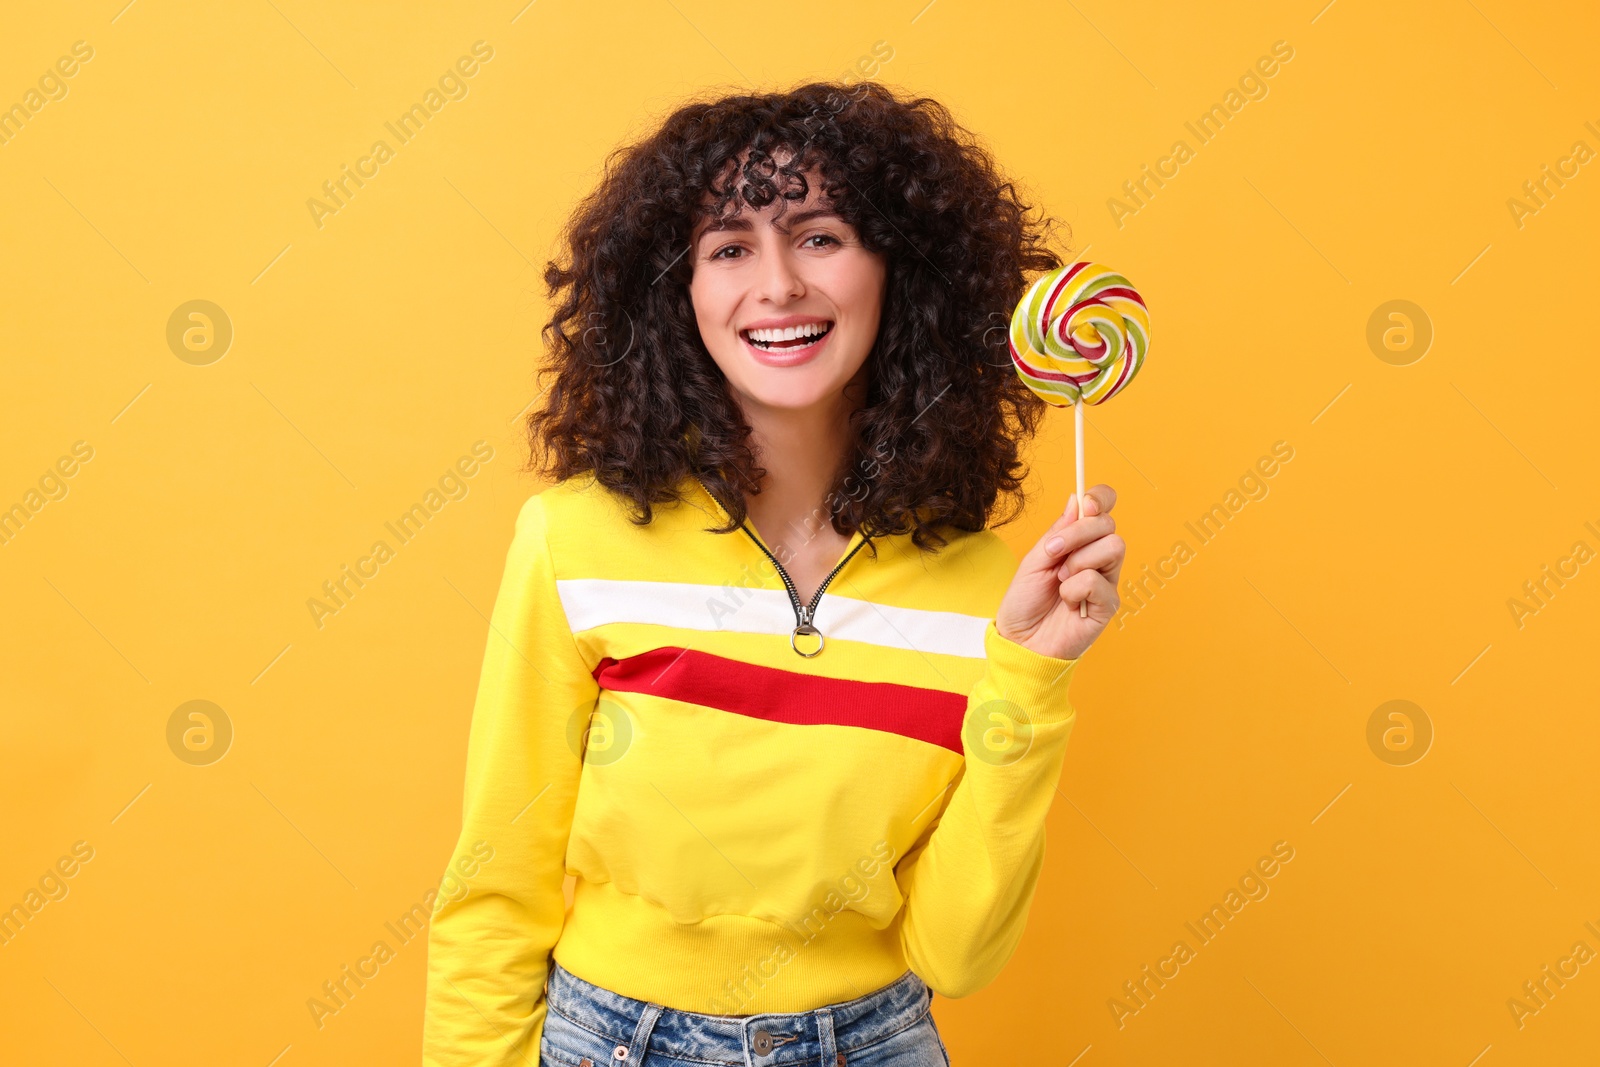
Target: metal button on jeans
(763, 1042)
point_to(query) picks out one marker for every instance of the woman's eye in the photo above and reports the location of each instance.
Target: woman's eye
(733, 251)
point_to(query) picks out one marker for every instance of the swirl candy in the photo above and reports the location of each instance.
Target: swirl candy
(1080, 334)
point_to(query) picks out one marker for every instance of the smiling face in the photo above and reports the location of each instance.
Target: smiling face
(788, 307)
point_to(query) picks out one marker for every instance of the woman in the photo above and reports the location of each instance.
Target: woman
(761, 678)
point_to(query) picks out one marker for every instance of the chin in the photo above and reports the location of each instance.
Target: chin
(789, 394)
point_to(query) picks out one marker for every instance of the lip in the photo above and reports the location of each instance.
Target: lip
(791, 357)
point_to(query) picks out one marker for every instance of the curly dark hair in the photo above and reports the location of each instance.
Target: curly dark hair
(637, 398)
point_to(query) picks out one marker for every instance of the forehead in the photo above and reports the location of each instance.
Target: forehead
(779, 212)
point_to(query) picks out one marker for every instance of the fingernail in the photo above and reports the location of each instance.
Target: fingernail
(1055, 544)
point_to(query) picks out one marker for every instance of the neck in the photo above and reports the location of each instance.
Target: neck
(802, 451)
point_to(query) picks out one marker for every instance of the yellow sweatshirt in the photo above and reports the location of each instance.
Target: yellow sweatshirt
(750, 829)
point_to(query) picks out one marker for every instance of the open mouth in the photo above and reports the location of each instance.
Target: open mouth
(788, 339)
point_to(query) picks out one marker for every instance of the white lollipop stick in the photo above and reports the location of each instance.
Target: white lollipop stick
(1077, 419)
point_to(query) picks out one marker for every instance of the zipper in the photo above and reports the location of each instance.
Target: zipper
(803, 613)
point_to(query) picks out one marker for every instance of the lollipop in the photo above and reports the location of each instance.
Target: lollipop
(1080, 334)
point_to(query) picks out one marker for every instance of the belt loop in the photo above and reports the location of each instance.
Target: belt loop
(825, 1036)
(640, 1046)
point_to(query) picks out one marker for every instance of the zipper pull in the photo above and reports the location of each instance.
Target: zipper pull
(807, 630)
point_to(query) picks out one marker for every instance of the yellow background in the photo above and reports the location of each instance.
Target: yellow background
(1229, 713)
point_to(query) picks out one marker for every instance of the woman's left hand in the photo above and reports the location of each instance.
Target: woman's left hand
(1072, 562)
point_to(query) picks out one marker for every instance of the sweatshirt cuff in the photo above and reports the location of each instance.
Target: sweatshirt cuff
(1036, 683)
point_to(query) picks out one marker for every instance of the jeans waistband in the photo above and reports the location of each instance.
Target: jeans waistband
(769, 1039)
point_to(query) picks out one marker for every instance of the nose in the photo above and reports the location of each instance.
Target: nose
(779, 280)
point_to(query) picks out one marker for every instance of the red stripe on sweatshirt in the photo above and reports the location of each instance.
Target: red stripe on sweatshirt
(731, 685)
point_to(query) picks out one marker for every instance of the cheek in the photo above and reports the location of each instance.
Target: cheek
(703, 300)
(714, 300)
(857, 286)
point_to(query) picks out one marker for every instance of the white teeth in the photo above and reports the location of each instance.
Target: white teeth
(789, 333)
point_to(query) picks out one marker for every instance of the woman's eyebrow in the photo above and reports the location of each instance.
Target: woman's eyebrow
(743, 223)
(807, 215)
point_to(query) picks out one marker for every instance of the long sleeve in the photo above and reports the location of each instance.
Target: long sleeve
(969, 883)
(500, 906)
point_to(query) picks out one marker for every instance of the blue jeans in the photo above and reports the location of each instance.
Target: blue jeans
(587, 1026)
